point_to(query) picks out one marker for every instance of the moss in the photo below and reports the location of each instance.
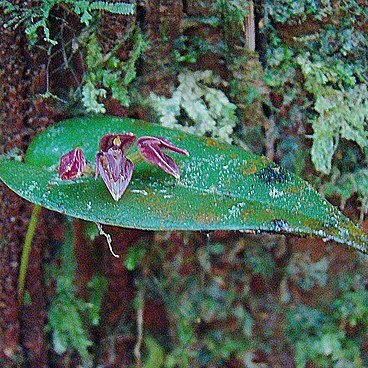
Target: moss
(70, 316)
(321, 335)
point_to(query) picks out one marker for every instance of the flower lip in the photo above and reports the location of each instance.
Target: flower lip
(72, 164)
(116, 171)
(151, 150)
(123, 141)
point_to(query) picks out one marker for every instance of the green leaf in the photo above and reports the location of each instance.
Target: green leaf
(221, 187)
(134, 256)
(155, 353)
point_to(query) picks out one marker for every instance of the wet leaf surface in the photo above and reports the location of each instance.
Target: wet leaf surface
(221, 187)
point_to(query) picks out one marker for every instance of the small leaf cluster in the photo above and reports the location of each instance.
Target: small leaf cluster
(319, 80)
(306, 273)
(155, 353)
(341, 112)
(324, 336)
(108, 74)
(198, 106)
(134, 256)
(202, 305)
(190, 49)
(69, 315)
(38, 17)
(346, 185)
(232, 11)
(296, 11)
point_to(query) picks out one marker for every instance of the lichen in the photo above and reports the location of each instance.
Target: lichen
(307, 273)
(197, 106)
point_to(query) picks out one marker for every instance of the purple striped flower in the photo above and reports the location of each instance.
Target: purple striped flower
(151, 150)
(112, 164)
(122, 141)
(115, 169)
(72, 164)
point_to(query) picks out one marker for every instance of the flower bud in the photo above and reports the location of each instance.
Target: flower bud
(72, 164)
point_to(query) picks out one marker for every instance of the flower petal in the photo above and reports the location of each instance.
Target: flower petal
(123, 141)
(116, 171)
(72, 164)
(150, 149)
(164, 143)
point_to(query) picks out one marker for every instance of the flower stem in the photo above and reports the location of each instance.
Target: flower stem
(138, 345)
(26, 250)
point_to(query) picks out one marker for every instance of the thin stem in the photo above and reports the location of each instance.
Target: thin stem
(138, 345)
(26, 250)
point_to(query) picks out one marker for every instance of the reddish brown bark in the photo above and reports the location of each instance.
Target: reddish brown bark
(115, 348)
(162, 20)
(12, 232)
(20, 119)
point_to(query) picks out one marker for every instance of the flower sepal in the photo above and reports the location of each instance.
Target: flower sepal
(151, 150)
(116, 171)
(72, 164)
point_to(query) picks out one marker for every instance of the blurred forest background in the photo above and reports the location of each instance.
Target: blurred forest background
(286, 79)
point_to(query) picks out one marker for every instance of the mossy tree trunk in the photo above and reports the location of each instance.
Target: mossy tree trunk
(24, 113)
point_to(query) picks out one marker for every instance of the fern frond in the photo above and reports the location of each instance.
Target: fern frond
(117, 8)
(8, 6)
(15, 15)
(37, 17)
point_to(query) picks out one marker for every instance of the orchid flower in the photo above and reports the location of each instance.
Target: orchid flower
(151, 150)
(123, 141)
(111, 163)
(72, 164)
